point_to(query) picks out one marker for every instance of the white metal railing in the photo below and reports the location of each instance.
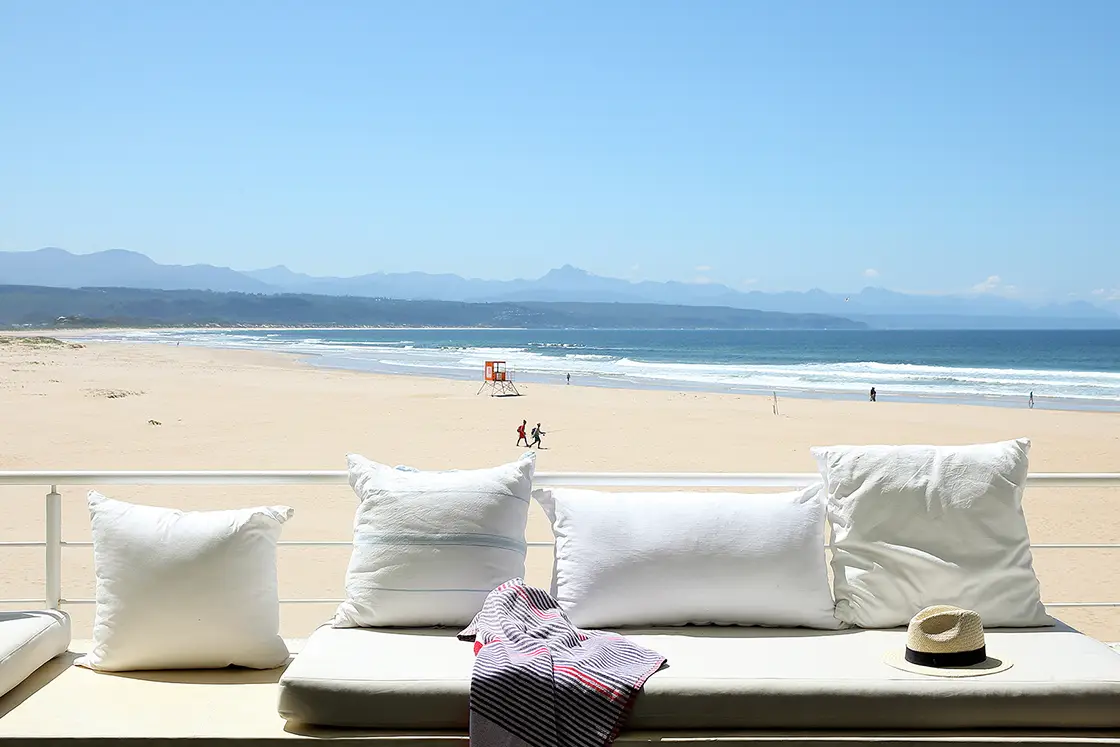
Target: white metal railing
(53, 543)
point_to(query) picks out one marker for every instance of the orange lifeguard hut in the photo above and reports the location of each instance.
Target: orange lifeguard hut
(498, 380)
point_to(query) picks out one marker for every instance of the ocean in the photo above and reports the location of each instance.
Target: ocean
(1064, 369)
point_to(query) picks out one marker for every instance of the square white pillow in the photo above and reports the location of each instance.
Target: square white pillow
(429, 546)
(648, 559)
(185, 590)
(915, 526)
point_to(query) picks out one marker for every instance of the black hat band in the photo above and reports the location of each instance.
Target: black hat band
(941, 661)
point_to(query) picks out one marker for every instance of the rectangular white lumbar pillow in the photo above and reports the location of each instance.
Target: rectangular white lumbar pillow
(429, 546)
(185, 589)
(916, 526)
(647, 559)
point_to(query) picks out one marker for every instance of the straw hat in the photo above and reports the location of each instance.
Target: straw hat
(946, 641)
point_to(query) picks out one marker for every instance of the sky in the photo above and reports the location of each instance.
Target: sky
(923, 146)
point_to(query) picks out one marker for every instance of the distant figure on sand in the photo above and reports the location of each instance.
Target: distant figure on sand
(872, 394)
(1030, 402)
(537, 433)
(569, 378)
(521, 433)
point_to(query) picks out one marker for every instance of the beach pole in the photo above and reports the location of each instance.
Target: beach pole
(54, 549)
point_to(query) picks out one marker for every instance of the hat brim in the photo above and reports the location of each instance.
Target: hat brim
(897, 659)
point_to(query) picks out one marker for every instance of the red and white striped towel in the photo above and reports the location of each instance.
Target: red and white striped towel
(539, 681)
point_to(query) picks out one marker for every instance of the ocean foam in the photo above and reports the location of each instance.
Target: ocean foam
(552, 361)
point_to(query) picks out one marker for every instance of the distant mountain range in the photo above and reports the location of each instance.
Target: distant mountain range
(876, 306)
(59, 268)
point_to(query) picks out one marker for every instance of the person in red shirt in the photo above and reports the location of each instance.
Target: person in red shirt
(521, 434)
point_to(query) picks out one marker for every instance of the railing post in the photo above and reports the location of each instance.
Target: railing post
(54, 549)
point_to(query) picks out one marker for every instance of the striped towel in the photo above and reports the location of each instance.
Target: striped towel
(539, 681)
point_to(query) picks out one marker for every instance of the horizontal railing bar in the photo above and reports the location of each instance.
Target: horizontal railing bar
(1074, 546)
(543, 479)
(338, 543)
(94, 601)
(163, 477)
(1081, 604)
(674, 479)
(340, 477)
(1073, 480)
(1055, 605)
(282, 543)
(349, 543)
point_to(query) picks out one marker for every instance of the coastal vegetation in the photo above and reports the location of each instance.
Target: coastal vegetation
(46, 308)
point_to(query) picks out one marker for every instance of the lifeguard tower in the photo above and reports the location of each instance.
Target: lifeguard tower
(498, 380)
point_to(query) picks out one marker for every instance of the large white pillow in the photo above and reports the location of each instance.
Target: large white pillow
(646, 559)
(185, 590)
(429, 546)
(916, 526)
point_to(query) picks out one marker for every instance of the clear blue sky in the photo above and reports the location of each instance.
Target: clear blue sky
(783, 145)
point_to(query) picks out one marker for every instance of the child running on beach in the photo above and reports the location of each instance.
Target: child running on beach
(521, 433)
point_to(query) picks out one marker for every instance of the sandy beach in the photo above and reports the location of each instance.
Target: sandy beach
(68, 407)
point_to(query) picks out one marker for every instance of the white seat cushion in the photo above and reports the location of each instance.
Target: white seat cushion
(727, 678)
(28, 640)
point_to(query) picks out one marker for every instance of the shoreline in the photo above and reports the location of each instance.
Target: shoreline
(1041, 402)
(67, 331)
(340, 361)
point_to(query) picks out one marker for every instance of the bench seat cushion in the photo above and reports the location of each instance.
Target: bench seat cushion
(727, 678)
(28, 640)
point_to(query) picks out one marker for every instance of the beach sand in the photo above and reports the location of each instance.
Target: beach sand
(88, 408)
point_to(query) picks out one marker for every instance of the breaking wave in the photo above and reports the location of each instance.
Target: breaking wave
(643, 365)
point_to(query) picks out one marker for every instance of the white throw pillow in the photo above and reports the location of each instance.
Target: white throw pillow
(916, 526)
(185, 590)
(429, 546)
(647, 559)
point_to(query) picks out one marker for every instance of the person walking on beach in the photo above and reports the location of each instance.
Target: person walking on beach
(569, 378)
(521, 433)
(537, 433)
(872, 394)
(1030, 401)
